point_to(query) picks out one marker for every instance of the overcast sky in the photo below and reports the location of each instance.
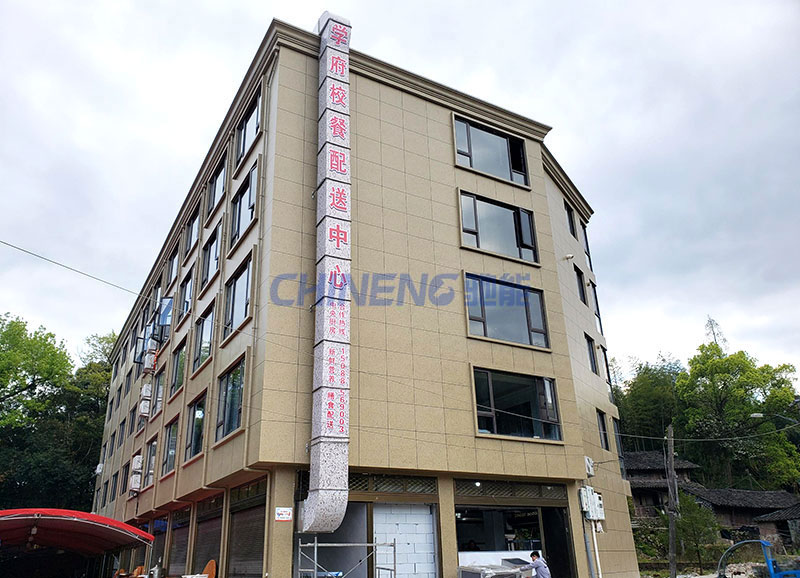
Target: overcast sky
(679, 122)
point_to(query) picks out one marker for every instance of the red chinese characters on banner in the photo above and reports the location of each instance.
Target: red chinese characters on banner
(338, 236)
(338, 127)
(336, 409)
(339, 34)
(338, 66)
(338, 162)
(337, 279)
(338, 95)
(339, 200)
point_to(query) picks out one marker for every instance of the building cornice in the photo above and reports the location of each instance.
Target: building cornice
(566, 185)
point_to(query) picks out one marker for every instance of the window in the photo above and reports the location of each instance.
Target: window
(105, 493)
(586, 245)
(110, 409)
(170, 444)
(491, 152)
(505, 311)
(112, 444)
(601, 425)
(237, 299)
(497, 228)
(178, 369)
(243, 205)
(581, 284)
(150, 463)
(192, 231)
(598, 321)
(185, 295)
(516, 405)
(115, 368)
(210, 257)
(128, 382)
(113, 488)
(158, 393)
(194, 428)
(203, 334)
(131, 421)
(121, 435)
(229, 409)
(123, 483)
(592, 354)
(604, 352)
(248, 128)
(216, 188)
(172, 267)
(618, 440)
(103, 454)
(119, 395)
(570, 219)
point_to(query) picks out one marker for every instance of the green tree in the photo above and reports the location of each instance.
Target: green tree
(697, 526)
(647, 403)
(51, 423)
(716, 398)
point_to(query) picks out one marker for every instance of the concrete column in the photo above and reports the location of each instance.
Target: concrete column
(280, 535)
(447, 527)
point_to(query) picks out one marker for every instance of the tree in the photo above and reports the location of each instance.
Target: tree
(697, 526)
(647, 403)
(52, 422)
(716, 398)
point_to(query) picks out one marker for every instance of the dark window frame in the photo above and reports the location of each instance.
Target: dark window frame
(206, 272)
(526, 292)
(149, 464)
(186, 286)
(602, 427)
(177, 381)
(580, 279)
(192, 231)
(598, 319)
(126, 472)
(170, 431)
(520, 215)
(230, 297)
(573, 230)
(539, 384)
(173, 266)
(592, 354)
(223, 428)
(249, 187)
(219, 174)
(242, 146)
(190, 449)
(585, 244)
(199, 330)
(468, 153)
(156, 400)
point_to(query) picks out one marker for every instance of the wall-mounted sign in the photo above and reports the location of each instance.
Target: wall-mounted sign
(283, 515)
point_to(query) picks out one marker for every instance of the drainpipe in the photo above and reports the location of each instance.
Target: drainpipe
(325, 506)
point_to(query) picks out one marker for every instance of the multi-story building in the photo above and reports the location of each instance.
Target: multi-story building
(444, 399)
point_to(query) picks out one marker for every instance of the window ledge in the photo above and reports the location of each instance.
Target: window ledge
(187, 256)
(201, 367)
(155, 415)
(147, 488)
(495, 177)
(168, 475)
(193, 459)
(182, 319)
(510, 343)
(210, 216)
(207, 284)
(520, 439)
(536, 264)
(242, 235)
(234, 434)
(177, 392)
(235, 332)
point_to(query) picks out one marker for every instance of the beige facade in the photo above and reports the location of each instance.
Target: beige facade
(414, 418)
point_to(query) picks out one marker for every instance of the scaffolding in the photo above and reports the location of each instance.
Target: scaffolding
(317, 571)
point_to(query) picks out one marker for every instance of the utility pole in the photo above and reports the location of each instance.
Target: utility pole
(672, 506)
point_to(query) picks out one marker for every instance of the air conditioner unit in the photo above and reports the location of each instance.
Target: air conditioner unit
(144, 407)
(136, 463)
(147, 391)
(149, 365)
(135, 482)
(589, 466)
(487, 572)
(99, 469)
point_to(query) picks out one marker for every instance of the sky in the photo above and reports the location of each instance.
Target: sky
(678, 121)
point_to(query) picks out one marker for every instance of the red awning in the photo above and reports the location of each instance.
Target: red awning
(67, 530)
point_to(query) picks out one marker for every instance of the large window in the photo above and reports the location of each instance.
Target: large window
(598, 321)
(516, 405)
(505, 311)
(123, 483)
(229, 408)
(570, 213)
(579, 279)
(113, 488)
(618, 440)
(172, 267)
(586, 245)
(237, 299)
(203, 334)
(185, 295)
(194, 427)
(592, 354)
(603, 429)
(216, 188)
(491, 151)
(158, 393)
(192, 230)
(170, 445)
(178, 369)
(248, 127)
(150, 463)
(121, 435)
(243, 205)
(496, 227)
(210, 257)
(112, 444)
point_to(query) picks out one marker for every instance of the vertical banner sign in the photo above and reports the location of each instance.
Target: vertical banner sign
(324, 509)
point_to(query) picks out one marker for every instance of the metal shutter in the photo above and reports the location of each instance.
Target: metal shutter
(246, 543)
(206, 543)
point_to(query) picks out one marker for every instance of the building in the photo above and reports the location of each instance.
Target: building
(783, 525)
(741, 509)
(647, 475)
(442, 390)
